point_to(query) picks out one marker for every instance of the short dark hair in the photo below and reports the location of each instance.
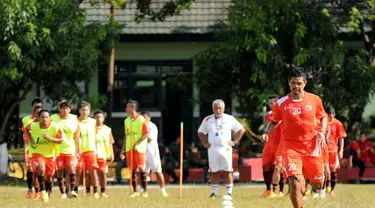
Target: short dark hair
(273, 96)
(84, 104)
(65, 104)
(60, 99)
(98, 112)
(44, 110)
(36, 100)
(330, 110)
(146, 113)
(133, 102)
(297, 72)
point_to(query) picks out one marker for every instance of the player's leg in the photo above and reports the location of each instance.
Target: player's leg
(275, 179)
(314, 170)
(60, 164)
(333, 164)
(91, 166)
(141, 166)
(102, 175)
(267, 166)
(29, 178)
(226, 168)
(49, 174)
(73, 176)
(41, 170)
(155, 167)
(213, 162)
(132, 167)
(293, 168)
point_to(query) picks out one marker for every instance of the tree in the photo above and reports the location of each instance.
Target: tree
(47, 42)
(264, 39)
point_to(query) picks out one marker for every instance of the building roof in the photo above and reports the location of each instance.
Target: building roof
(203, 17)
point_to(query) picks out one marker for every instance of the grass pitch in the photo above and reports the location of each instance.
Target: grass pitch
(246, 196)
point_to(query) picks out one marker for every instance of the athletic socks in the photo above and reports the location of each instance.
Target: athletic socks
(42, 183)
(267, 179)
(229, 188)
(333, 180)
(215, 188)
(29, 180)
(282, 182)
(144, 181)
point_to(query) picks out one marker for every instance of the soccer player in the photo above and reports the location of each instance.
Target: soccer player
(56, 116)
(87, 137)
(215, 133)
(153, 162)
(299, 112)
(44, 137)
(336, 134)
(31, 177)
(104, 148)
(269, 154)
(135, 145)
(68, 149)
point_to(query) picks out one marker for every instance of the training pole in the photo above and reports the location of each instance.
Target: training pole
(83, 178)
(181, 155)
(131, 157)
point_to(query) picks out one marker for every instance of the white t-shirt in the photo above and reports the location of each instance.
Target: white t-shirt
(219, 131)
(152, 134)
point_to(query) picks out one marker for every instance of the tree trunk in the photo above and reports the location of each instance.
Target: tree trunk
(3, 144)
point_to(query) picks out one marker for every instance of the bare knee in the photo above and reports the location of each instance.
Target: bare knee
(317, 185)
(294, 182)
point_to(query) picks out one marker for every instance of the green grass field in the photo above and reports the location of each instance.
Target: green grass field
(193, 197)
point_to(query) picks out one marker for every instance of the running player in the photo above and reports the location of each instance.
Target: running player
(68, 149)
(45, 135)
(299, 111)
(269, 152)
(136, 140)
(56, 116)
(87, 162)
(31, 177)
(104, 147)
(153, 162)
(336, 134)
(215, 133)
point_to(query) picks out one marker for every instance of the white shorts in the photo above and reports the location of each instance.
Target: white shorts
(153, 162)
(220, 159)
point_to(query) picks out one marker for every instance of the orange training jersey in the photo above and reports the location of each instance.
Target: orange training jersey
(300, 119)
(336, 131)
(275, 136)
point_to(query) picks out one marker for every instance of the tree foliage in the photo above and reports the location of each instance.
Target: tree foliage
(264, 39)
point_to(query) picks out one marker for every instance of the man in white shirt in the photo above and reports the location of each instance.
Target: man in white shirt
(153, 162)
(215, 134)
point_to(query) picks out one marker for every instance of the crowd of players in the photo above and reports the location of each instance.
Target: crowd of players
(78, 147)
(303, 143)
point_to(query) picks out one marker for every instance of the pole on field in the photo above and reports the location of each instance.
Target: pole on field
(111, 72)
(83, 178)
(131, 158)
(181, 154)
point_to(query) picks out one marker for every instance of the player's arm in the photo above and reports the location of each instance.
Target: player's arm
(341, 148)
(203, 134)
(111, 142)
(122, 152)
(269, 129)
(77, 135)
(57, 139)
(28, 136)
(144, 134)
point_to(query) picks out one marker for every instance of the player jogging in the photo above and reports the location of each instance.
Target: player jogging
(104, 148)
(136, 140)
(87, 137)
(299, 111)
(336, 134)
(31, 177)
(215, 133)
(68, 149)
(269, 153)
(45, 135)
(153, 162)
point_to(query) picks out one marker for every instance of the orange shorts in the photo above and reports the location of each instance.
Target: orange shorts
(102, 165)
(88, 159)
(309, 166)
(49, 164)
(325, 157)
(139, 161)
(268, 155)
(29, 164)
(65, 160)
(334, 163)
